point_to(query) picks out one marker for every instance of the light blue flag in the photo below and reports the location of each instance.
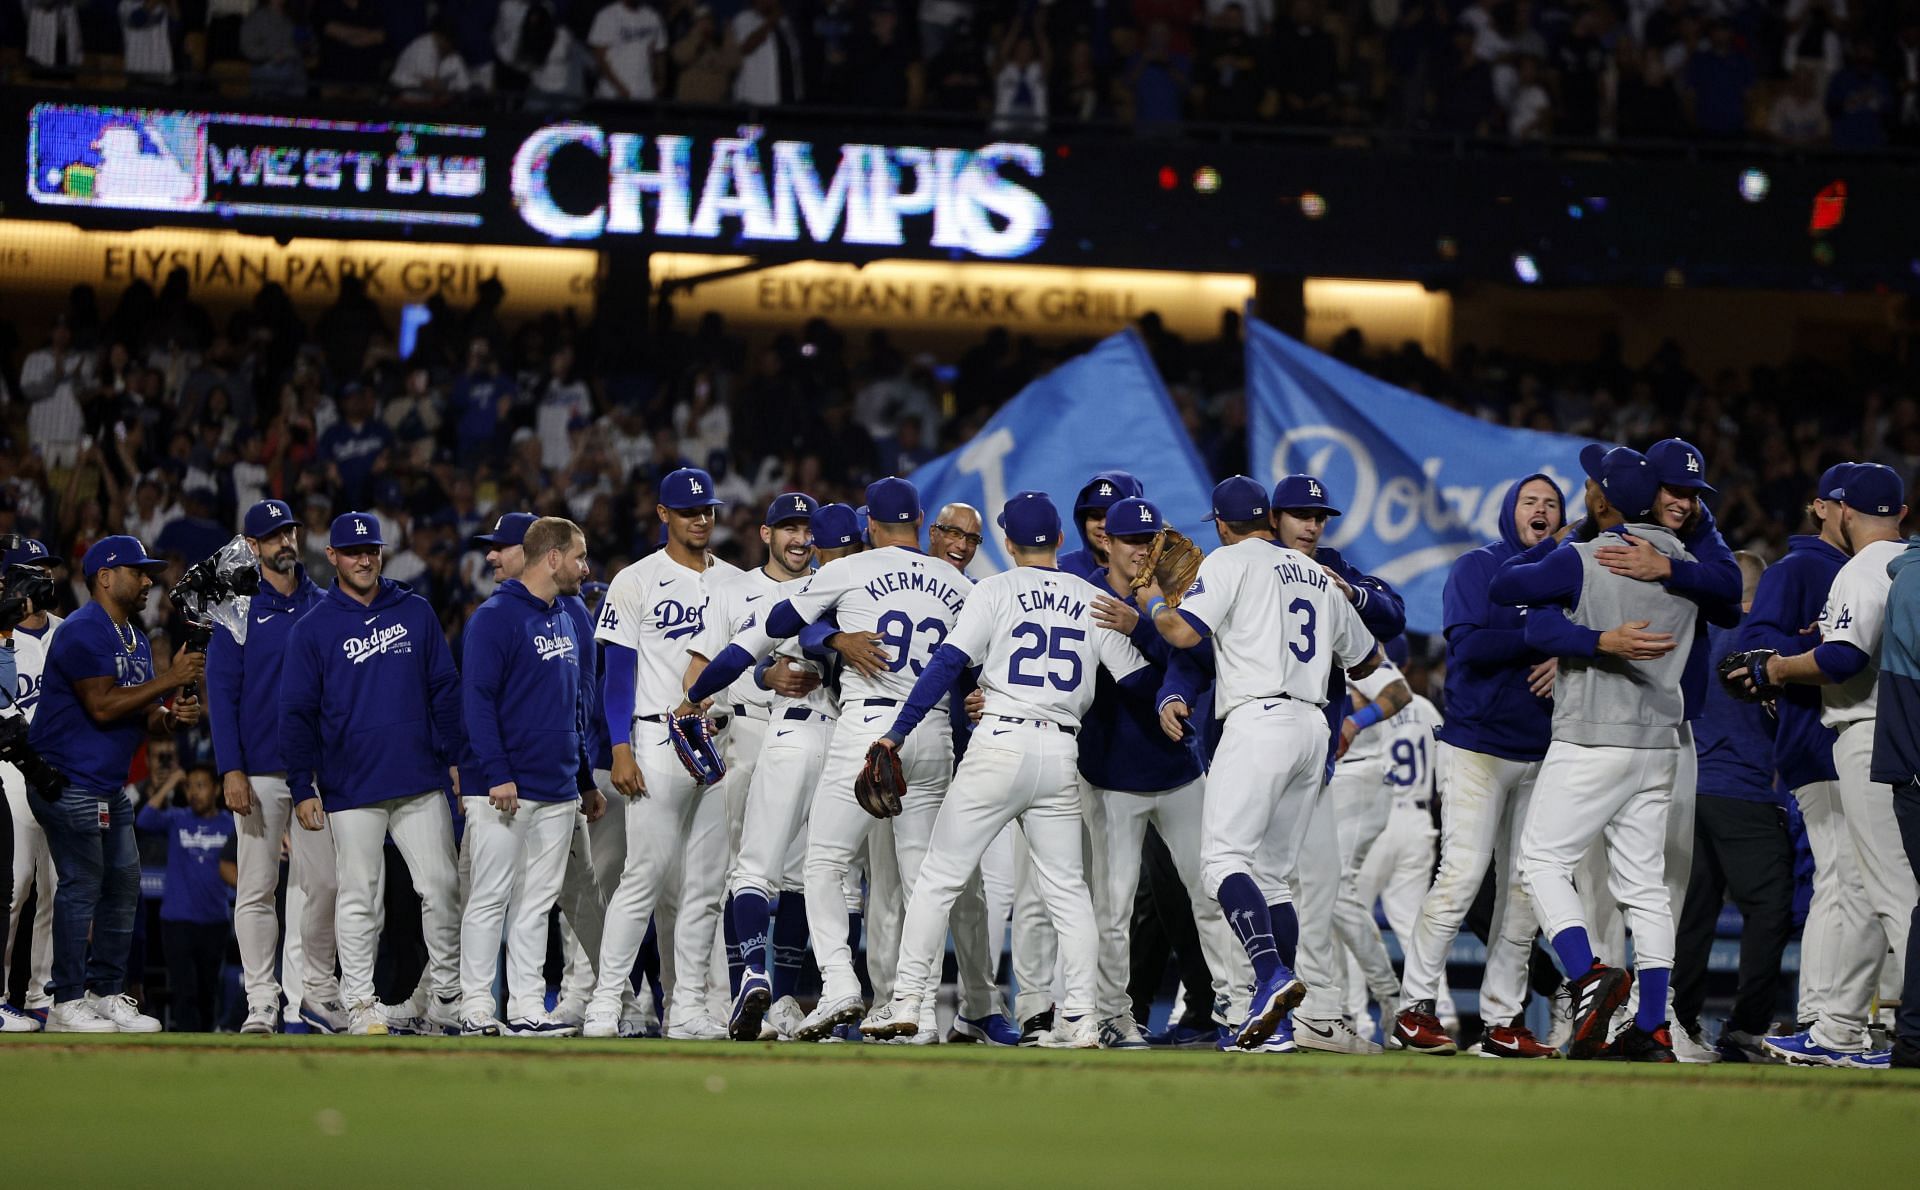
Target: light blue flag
(1104, 410)
(1420, 484)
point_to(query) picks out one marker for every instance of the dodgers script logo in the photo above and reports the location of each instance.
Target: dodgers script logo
(27, 694)
(558, 647)
(391, 639)
(676, 619)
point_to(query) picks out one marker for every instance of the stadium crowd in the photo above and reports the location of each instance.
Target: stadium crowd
(1798, 73)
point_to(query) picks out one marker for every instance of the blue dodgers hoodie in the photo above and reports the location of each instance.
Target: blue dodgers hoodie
(599, 744)
(1102, 492)
(1489, 707)
(1733, 739)
(369, 700)
(1791, 593)
(1896, 729)
(243, 681)
(520, 697)
(1121, 744)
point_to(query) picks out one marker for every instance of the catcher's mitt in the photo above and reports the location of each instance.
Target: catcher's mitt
(692, 737)
(1172, 562)
(1744, 675)
(881, 782)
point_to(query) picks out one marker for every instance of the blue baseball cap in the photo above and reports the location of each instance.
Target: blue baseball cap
(1872, 488)
(791, 506)
(1238, 498)
(354, 528)
(1030, 519)
(510, 529)
(1302, 493)
(689, 487)
(1679, 464)
(1104, 489)
(267, 518)
(1625, 476)
(30, 552)
(893, 501)
(1132, 517)
(835, 526)
(118, 550)
(1833, 481)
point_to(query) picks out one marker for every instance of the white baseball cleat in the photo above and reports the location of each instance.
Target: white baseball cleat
(1331, 1037)
(543, 1025)
(324, 1016)
(480, 1026)
(444, 1015)
(264, 1020)
(123, 1012)
(1560, 1032)
(896, 1018)
(401, 1020)
(366, 1020)
(784, 1019)
(571, 1011)
(842, 1010)
(1690, 1049)
(601, 1021)
(12, 1020)
(1121, 1033)
(1073, 1033)
(697, 1028)
(77, 1016)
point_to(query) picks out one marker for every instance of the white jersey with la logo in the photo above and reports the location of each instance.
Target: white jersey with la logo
(1030, 632)
(657, 608)
(29, 660)
(737, 596)
(1279, 624)
(1856, 614)
(908, 599)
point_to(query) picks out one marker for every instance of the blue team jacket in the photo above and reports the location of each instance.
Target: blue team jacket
(1489, 707)
(1733, 739)
(1791, 593)
(520, 697)
(369, 700)
(243, 681)
(1121, 744)
(1896, 728)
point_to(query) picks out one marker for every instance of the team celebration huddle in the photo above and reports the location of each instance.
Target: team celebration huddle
(857, 748)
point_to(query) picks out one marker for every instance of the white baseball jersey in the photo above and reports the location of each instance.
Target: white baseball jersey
(1411, 749)
(823, 699)
(29, 661)
(1278, 622)
(735, 596)
(1370, 746)
(1856, 614)
(910, 600)
(1030, 632)
(657, 608)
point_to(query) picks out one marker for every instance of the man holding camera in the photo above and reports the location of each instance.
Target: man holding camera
(29, 581)
(99, 700)
(243, 700)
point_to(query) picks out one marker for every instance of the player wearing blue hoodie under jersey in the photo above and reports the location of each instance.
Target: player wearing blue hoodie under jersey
(370, 709)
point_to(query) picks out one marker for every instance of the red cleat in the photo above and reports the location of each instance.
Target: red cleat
(1417, 1029)
(1514, 1040)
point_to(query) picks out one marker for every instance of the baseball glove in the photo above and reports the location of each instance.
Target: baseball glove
(1172, 562)
(881, 782)
(692, 737)
(1744, 675)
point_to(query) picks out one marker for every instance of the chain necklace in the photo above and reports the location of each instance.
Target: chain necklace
(128, 641)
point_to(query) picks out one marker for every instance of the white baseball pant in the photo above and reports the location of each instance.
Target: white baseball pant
(1885, 883)
(422, 828)
(583, 915)
(1361, 801)
(1620, 795)
(791, 757)
(518, 859)
(256, 920)
(32, 874)
(1397, 872)
(1031, 773)
(1261, 790)
(740, 744)
(1312, 887)
(1840, 946)
(1036, 948)
(997, 879)
(1483, 812)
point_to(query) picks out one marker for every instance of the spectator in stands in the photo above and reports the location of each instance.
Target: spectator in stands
(480, 400)
(1814, 39)
(1305, 63)
(224, 18)
(1799, 116)
(628, 41)
(892, 77)
(769, 52)
(196, 908)
(353, 42)
(940, 21)
(1530, 108)
(957, 76)
(703, 62)
(52, 380)
(1227, 83)
(1020, 69)
(826, 37)
(430, 72)
(1859, 100)
(1463, 101)
(1584, 67)
(53, 35)
(1158, 79)
(148, 29)
(357, 447)
(1648, 103)
(1086, 93)
(194, 534)
(1718, 80)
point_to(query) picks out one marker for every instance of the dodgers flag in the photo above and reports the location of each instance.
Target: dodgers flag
(1419, 484)
(1103, 410)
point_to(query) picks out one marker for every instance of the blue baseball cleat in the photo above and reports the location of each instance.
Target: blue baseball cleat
(750, 1005)
(1280, 1042)
(1276, 996)
(1800, 1049)
(993, 1030)
(1872, 1060)
(1185, 1037)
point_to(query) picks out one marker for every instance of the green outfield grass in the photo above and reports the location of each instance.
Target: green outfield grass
(339, 1112)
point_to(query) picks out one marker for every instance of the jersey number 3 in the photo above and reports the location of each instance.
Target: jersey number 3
(1052, 646)
(1303, 648)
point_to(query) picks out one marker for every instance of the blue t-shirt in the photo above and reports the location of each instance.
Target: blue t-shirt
(92, 756)
(194, 891)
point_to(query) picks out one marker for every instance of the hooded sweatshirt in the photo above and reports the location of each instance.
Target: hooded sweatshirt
(1896, 727)
(1789, 598)
(243, 681)
(599, 745)
(520, 697)
(1489, 706)
(369, 700)
(1102, 492)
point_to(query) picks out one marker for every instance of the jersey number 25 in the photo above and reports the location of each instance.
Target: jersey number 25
(1049, 645)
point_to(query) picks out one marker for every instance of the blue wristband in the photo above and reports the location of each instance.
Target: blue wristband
(1155, 606)
(1366, 716)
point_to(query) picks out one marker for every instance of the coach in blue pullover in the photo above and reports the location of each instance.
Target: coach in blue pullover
(370, 707)
(243, 708)
(1896, 762)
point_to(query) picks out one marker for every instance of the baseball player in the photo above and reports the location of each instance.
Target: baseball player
(910, 602)
(1139, 778)
(1487, 755)
(1090, 518)
(521, 704)
(243, 696)
(1839, 931)
(370, 714)
(654, 614)
(1610, 769)
(1032, 632)
(1362, 802)
(32, 862)
(1279, 625)
(1846, 666)
(1896, 761)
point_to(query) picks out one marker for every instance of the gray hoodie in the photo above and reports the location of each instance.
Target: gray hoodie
(1607, 701)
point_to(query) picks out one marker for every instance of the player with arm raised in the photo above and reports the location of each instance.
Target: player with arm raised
(1279, 625)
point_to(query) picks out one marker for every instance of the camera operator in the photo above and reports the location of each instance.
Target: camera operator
(99, 699)
(243, 705)
(31, 867)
